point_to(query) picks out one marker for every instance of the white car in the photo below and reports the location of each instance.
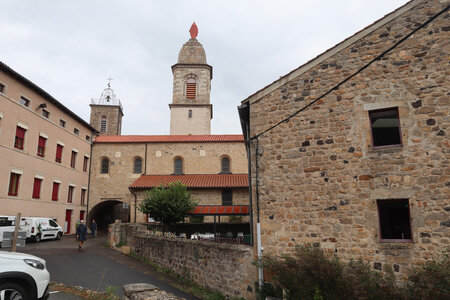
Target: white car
(23, 277)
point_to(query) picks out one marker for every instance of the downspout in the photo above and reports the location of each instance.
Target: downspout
(89, 179)
(135, 203)
(250, 192)
(258, 224)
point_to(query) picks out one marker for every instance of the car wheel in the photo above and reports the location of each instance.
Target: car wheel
(13, 291)
(59, 236)
(37, 238)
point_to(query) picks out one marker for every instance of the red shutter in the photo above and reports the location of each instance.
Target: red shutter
(20, 132)
(42, 141)
(37, 188)
(13, 184)
(55, 191)
(81, 215)
(59, 149)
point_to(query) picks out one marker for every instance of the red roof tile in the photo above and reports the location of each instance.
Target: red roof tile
(220, 210)
(193, 181)
(169, 138)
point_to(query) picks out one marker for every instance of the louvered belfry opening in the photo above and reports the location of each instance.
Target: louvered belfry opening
(191, 86)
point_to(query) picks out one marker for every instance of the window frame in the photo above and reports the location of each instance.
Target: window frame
(83, 196)
(55, 196)
(104, 165)
(85, 163)
(24, 101)
(58, 159)
(70, 193)
(14, 183)
(135, 166)
(386, 240)
(73, 159)
(62, 123)
(19, 141)
(103, 123)
(222, 169)
(45, 113)
(76, 131)
(225, 194)
(178, 166)
(371, 112)
(2, 88)
(41, 148)
(191, 88)
(36, 193)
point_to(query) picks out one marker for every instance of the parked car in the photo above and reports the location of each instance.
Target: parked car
(41, 228)
(23, 277)
(7, 224)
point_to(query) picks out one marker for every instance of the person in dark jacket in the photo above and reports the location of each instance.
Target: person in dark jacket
(93, 228)
(81, 234)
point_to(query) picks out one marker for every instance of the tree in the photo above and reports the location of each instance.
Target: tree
(168, 204)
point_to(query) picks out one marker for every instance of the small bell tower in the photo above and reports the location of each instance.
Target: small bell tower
(190, 110)
(107, 112)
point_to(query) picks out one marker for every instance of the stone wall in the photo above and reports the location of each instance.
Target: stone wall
(320, 177)
(224, 267)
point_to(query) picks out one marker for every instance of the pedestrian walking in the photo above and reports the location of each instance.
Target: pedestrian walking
(81, 234)
(93, 228)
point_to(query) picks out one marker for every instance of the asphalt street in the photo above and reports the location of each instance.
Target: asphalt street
(96, 267)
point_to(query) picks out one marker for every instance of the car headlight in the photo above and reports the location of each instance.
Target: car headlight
(34, 263)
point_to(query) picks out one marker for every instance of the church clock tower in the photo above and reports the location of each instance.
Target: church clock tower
(190, 110)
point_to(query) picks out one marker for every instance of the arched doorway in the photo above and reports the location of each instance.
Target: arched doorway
(107, 212)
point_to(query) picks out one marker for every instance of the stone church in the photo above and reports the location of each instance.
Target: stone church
(213, 167)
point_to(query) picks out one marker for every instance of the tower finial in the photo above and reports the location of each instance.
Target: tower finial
(109, 81)
(193, 31)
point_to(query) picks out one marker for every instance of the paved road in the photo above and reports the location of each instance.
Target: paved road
(96, 267)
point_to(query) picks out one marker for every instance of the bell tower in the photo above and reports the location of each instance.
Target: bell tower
(190, 110)
(107, 113)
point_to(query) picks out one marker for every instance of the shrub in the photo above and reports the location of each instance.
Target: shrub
(430, 281)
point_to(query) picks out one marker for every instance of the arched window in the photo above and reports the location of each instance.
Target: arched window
(225, 165)
(137, 166)
(190, 113)
(191, 88)
(104, 166)
(103, 124)
(178, 166)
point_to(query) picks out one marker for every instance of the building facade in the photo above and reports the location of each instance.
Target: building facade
(350, 150)
(44, 153)
(213, 167)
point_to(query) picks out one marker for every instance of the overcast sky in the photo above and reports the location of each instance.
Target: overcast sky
(69, 48)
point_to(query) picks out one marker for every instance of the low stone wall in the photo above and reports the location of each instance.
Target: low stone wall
(224, 267)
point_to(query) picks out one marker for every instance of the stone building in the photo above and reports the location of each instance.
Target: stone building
(213, 167)
(44, 153)
(350, 150)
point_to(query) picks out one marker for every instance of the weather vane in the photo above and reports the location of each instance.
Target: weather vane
(109, 81)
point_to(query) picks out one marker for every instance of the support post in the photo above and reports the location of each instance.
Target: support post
(16, 232)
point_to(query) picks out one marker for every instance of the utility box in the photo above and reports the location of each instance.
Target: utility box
(8, 237)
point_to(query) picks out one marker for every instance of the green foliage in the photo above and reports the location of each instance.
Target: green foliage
(196, 219)
(168, 204)
(431, 281)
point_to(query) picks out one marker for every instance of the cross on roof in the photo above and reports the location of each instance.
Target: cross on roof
(109, 81)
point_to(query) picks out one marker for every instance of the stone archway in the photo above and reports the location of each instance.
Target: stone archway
(106, 212)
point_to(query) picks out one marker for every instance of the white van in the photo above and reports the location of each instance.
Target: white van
(41, 228)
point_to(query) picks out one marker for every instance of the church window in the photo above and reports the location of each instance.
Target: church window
(227, 197)
(104, 166)
(103, 123)
(190, 113)
(191, 86)
(225, 165)
(178, 166)
(137, 166)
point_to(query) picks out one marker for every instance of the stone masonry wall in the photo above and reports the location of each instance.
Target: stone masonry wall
(319, 176)
(224, 267)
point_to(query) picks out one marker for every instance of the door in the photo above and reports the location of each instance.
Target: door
(68, 221)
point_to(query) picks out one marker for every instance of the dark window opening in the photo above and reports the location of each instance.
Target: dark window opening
(83, 196)
(13, 184)
(41, 146)
(225, 165)
(85, 163)
(178, 166)
(73, 159)
(103, 124)
(2, 88)
(62, 123)
(59, 150)
(104, 167)
(385, 125)
(137, 166)
(24, 101)
(45, 113)
(394, 219)
(190, 113)
(70, 194)
(20, 137)
(227, 197)
(76, 131)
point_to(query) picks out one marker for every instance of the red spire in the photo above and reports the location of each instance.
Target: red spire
(193, 31)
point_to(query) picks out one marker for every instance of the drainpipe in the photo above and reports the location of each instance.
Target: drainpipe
(89, 180)
(135, 203)
(250, 193)
(258, 224)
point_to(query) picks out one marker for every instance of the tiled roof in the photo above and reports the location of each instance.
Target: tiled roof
(212, 210)
(193, 181)
(169, 138)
